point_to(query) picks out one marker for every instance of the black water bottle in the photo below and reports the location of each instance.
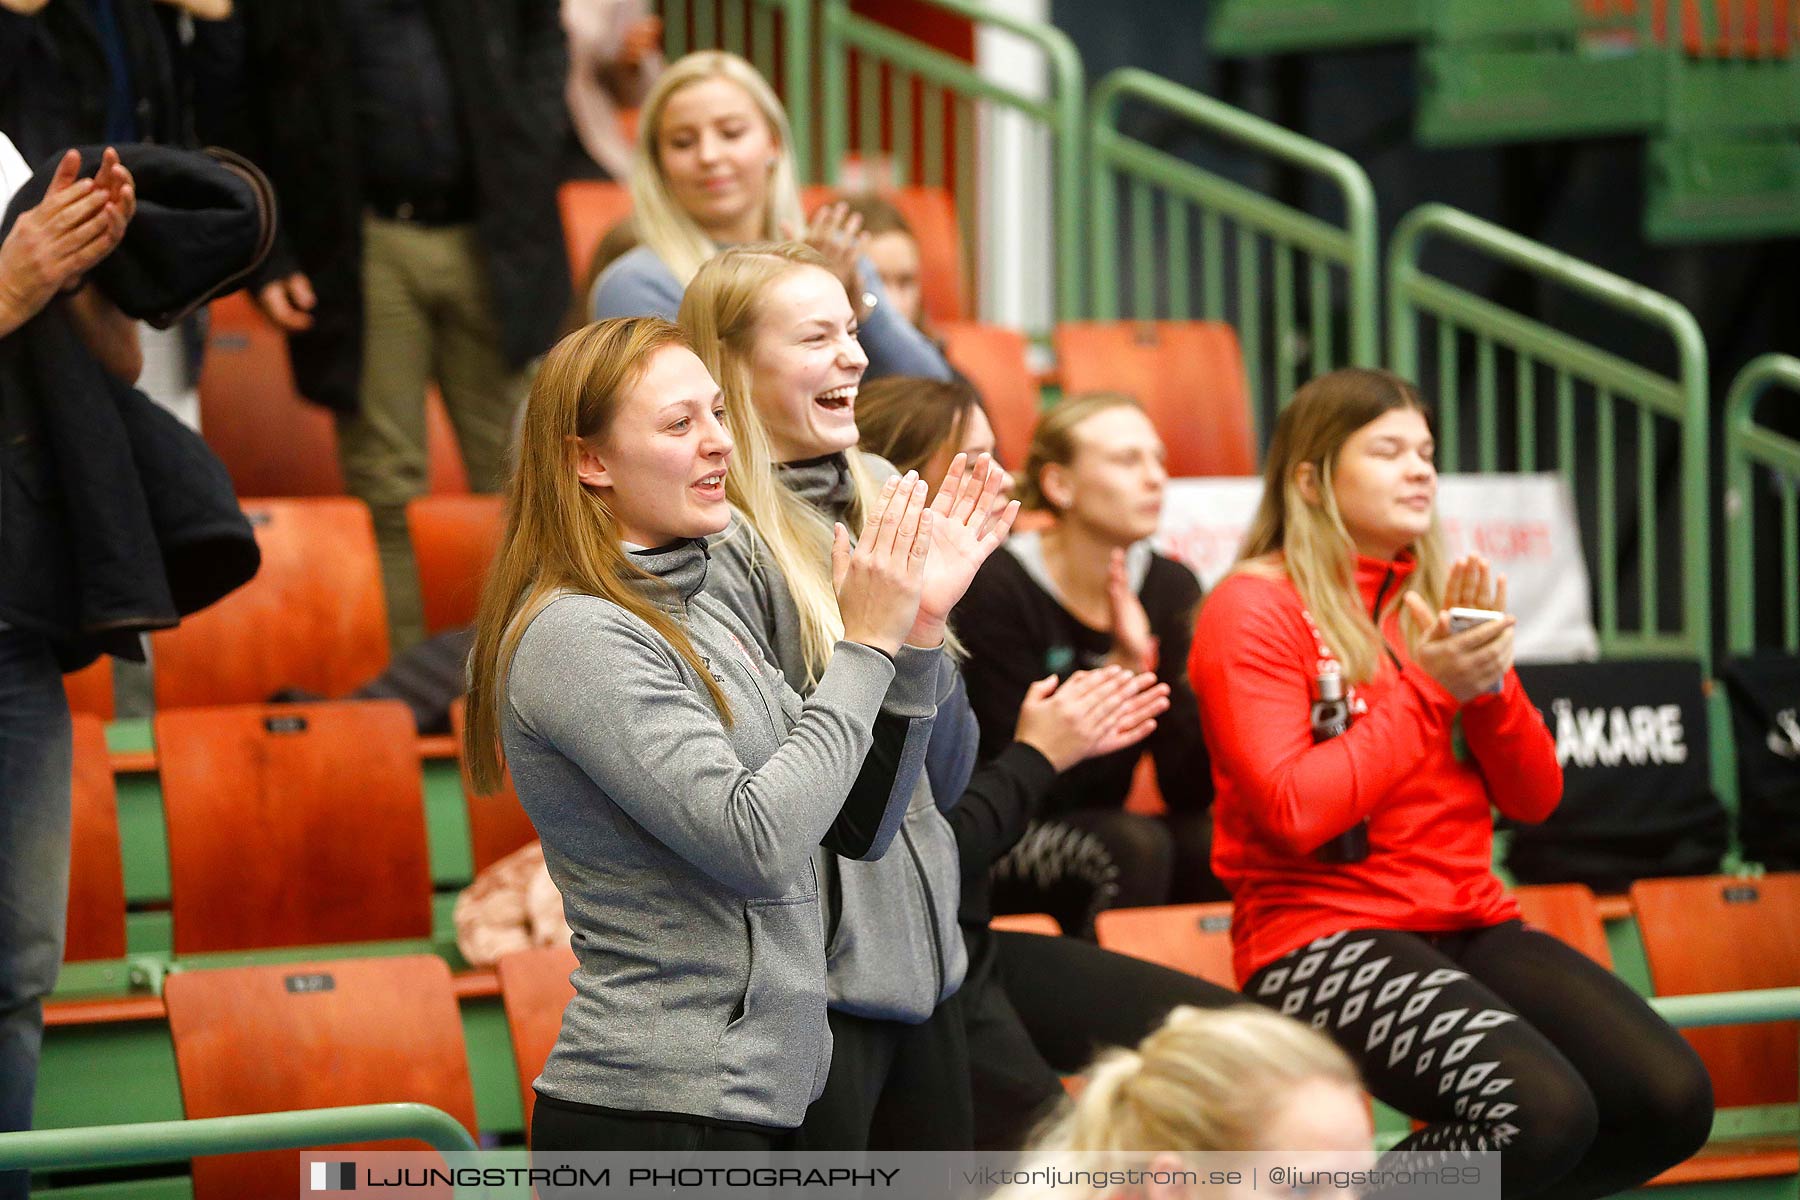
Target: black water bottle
(1330, 717)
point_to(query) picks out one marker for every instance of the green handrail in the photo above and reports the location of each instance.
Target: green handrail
(1188, 190)
(1748, 446)
(1659, 399)
(944, 79)
(170, 1141)
(1729, 1008)
(747, 28)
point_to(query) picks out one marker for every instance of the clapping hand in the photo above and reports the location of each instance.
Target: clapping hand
(53, 244)
(1134, 646)
(973, 517)
(1473, 584)
(1475, 661)
(836, 233)
(878, 582)
(1090, 714)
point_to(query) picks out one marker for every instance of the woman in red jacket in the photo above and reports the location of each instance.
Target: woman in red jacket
(1358, 858)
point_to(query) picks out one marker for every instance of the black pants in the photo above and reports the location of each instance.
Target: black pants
(894, 1086)
(558, 1126)
(1080, 863)
(1042, 1007)
(1505, 1039)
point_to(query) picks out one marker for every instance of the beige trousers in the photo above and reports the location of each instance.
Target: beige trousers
(428, 315)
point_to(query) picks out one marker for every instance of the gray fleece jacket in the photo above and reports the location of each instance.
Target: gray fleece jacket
(682, 846)
(640, 285)
(894, 950)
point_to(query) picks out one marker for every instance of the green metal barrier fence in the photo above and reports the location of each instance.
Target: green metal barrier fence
(171, 1141)
(887, 97)
(1548, 369)
(1748, 447)
(1317, 270)
(776, 35)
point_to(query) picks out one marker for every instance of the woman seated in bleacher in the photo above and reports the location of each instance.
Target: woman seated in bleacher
(1359, 858)
(715, 168)
(1087, 591)
(678, 785)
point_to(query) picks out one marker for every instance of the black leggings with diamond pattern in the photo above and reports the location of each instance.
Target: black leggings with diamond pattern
(1503, 1038)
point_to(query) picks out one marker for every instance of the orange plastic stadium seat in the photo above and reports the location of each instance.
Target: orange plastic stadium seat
(90, 689)
(313, 618)
(1195, 938)
(534, 988)
(1042, 923)
(993, 357)
(497, 823)
(1568, 912)
(590, 208)
(1717, 934)
(272, 442)
(1188, 375)
(313, 1035)
(96, 925)
(294, 825)
(931, 214)
(454, 539)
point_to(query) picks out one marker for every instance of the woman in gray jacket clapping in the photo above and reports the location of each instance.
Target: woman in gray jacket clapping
(678, 785)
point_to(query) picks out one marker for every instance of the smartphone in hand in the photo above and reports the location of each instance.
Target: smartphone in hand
(1469, 618)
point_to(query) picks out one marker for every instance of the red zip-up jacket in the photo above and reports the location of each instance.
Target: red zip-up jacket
(1279, 797)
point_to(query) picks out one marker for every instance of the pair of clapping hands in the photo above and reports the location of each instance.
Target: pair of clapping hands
(914, 560)
(1473, 661)
(53, 245)
(912, 564)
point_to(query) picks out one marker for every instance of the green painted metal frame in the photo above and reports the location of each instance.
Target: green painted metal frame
(171, 1141)
(1283, 26)
(945, 78)
(1749, 446)
(1321, 247)
(1681, 399)
(747, 28)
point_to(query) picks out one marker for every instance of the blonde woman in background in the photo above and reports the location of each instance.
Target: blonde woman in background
(1208, 1081)
(775, 325)
(715, 168)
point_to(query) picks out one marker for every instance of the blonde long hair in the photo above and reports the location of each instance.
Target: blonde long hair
(662, 224)
(560, 535)
(1309, 538)
(1204, 1080)
(720, 313)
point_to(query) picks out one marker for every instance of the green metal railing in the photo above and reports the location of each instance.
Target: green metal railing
(775, 35)
(1749, 446)
(171, 1141)
(1547, 368)
(920, 110)
(1317, 270)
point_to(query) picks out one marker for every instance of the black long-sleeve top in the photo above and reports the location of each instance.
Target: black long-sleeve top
(1017, 632)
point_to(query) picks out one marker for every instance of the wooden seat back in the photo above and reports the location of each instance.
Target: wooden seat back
(313, 1035)
(314, 617)
(294, 825)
